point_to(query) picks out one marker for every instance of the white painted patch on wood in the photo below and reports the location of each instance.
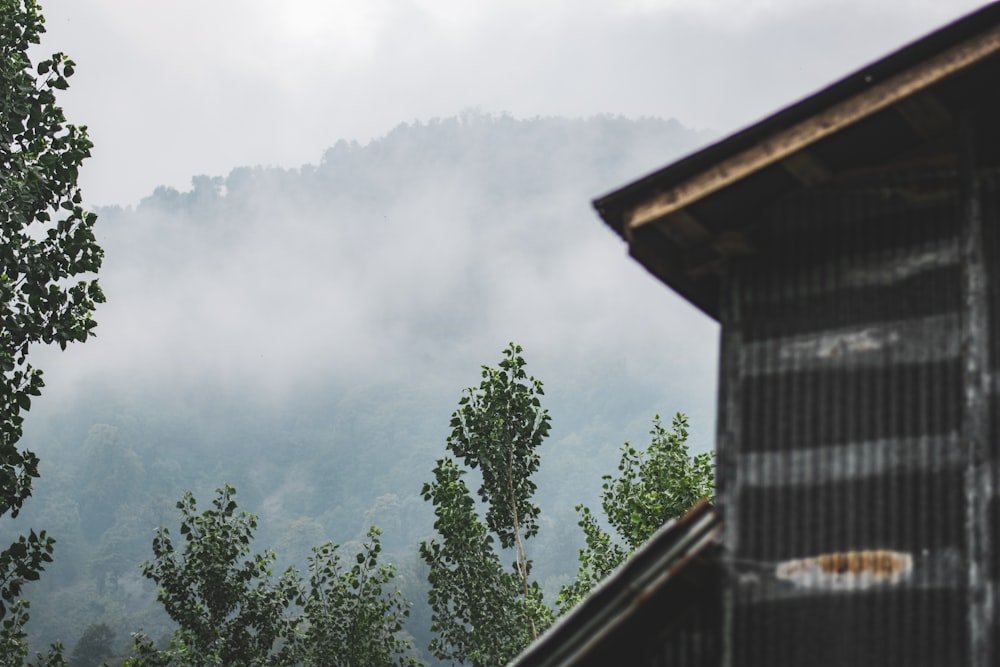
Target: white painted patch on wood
(847, 570)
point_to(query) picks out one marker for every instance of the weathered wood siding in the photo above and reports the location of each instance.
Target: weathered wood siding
(858, 429)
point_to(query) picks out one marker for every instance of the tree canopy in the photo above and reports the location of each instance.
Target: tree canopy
(222, 597)
(231, 610)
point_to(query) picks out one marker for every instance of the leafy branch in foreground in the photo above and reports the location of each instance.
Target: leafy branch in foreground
(46, 241)
(14, 641)
(46, 237)
(653, 486)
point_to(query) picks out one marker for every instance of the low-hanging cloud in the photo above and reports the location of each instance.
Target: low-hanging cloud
(416, 257)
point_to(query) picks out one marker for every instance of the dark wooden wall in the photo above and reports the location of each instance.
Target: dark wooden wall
(853, 425)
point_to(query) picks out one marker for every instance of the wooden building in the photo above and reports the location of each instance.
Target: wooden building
(849, 247)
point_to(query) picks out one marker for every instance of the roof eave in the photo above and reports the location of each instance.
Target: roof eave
(785, 135)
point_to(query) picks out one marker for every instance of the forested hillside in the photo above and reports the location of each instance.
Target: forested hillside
(304, 334)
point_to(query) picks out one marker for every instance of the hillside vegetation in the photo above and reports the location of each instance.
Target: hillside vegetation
(304, 334)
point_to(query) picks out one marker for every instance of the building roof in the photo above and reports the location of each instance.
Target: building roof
(685, 221)
(659, 588)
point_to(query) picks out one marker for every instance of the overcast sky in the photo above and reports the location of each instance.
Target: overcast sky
(173, 89)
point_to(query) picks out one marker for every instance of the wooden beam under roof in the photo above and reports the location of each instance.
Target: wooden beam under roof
(684, 229)
(807, 169)
(925, 114)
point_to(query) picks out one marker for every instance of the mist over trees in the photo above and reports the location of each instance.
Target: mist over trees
(302, 333)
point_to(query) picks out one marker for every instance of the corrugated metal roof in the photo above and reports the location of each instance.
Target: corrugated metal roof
(684, 222)
(664, 599)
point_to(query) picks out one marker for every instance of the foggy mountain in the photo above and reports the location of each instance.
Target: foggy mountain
(305, 335)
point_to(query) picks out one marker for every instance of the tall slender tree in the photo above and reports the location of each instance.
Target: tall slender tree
(482, 613)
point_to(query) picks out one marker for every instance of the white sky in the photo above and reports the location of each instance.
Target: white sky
(173, 89)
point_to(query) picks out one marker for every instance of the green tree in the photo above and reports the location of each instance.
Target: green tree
(94, 646)
(231, 611)
(46, 241)
(653, 486)
(351, 617)
(228, 609)
(482, 613)
(110, 475)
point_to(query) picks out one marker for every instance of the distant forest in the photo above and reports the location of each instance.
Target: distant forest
(304, 334)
